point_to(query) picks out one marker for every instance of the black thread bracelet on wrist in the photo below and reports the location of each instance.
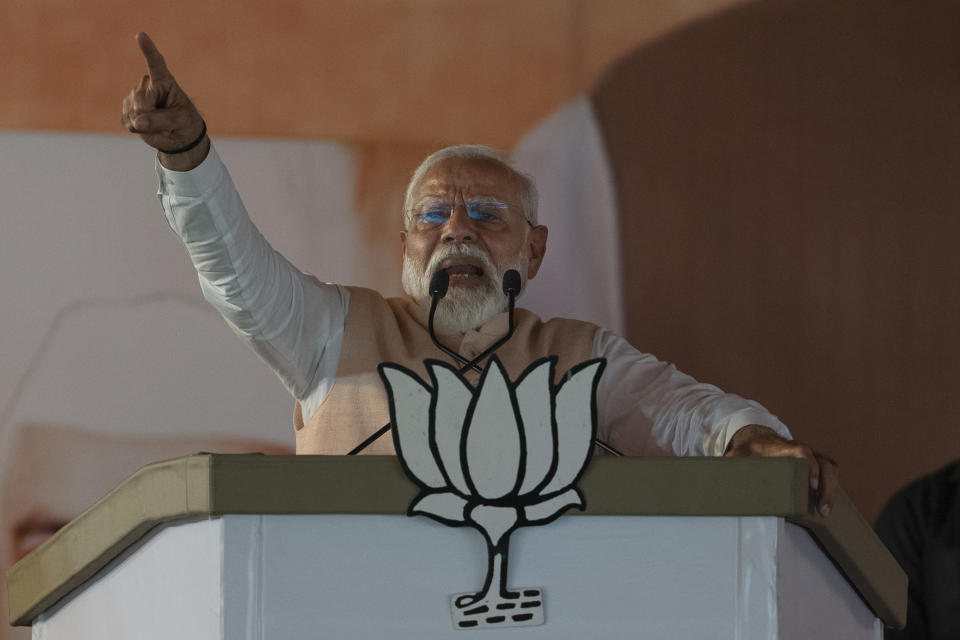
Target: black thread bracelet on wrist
(203, 133)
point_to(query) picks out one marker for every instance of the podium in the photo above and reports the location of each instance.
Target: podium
(253, 547)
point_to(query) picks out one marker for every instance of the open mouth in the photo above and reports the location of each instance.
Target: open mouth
(464, 271)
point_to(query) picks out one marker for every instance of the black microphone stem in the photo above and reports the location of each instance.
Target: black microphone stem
(438, 288)
(496, 345)
(369, 441)
(473, 364)
(450, 352)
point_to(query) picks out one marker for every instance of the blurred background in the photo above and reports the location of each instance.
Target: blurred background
(764, 193)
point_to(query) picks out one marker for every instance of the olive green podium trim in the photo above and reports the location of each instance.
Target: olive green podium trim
(210, 485)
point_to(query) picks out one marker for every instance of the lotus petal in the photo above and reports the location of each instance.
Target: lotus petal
(536, 412)
(546, 510)
(410, 413)
(452, 396)
(575, 425)
(446, 506)
(493, 521)
(492, 453)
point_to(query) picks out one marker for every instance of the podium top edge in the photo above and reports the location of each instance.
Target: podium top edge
(209, 485)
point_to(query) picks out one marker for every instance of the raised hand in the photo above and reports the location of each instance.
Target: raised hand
(162, 114)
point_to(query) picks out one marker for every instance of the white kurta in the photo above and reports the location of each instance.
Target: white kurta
(296, 325)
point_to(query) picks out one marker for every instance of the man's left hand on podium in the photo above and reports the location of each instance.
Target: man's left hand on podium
(755, 440)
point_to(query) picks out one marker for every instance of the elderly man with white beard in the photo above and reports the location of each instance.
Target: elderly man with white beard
(467, 212)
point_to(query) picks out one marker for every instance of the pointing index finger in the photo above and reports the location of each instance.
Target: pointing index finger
(155, 64)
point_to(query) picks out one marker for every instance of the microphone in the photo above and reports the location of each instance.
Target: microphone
(511, 287)
(511, 283)
(439, 284)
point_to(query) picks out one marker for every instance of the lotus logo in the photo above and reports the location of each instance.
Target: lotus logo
(496, 457)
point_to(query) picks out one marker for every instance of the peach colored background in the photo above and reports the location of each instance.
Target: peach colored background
(390, 79)
(411, 71)
(396, 78)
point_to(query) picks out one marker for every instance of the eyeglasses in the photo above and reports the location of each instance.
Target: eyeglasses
(484, 210)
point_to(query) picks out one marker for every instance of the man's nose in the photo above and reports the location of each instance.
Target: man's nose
(459, 227)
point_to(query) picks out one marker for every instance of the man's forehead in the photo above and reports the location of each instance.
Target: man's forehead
(470, 177)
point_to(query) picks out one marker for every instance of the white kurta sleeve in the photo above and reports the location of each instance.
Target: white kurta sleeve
(292, 321)
(647, 407)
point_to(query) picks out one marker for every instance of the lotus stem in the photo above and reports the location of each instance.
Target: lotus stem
(497, 572)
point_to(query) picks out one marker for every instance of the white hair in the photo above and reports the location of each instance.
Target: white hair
(528, 193)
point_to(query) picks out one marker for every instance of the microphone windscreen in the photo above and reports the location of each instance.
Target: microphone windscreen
(511, 282)
(439, 283)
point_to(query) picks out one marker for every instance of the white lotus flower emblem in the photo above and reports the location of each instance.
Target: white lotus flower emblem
(495, 457)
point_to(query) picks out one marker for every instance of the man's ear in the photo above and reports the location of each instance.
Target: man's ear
(536, 249)
(403, 243)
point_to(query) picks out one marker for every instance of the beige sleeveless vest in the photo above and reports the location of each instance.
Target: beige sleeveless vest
(380, 330)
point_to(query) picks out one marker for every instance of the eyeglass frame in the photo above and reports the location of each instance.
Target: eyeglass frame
(439, 205)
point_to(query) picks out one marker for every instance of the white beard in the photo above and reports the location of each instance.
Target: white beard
(463, 308)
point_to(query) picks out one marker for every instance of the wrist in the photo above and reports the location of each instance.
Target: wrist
(186, 160)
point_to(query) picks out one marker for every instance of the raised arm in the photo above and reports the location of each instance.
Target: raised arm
(161, 113)
(291, 320)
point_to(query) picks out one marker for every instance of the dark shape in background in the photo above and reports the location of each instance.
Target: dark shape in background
(788, 174)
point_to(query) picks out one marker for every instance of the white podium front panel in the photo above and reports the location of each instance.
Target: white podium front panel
(359, 576)
(170, 588)
(695, 529)
(813, 603)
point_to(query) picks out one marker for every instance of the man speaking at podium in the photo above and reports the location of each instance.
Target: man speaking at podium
(470, 221)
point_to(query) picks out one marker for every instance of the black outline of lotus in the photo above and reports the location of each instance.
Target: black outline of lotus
(463, 464)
